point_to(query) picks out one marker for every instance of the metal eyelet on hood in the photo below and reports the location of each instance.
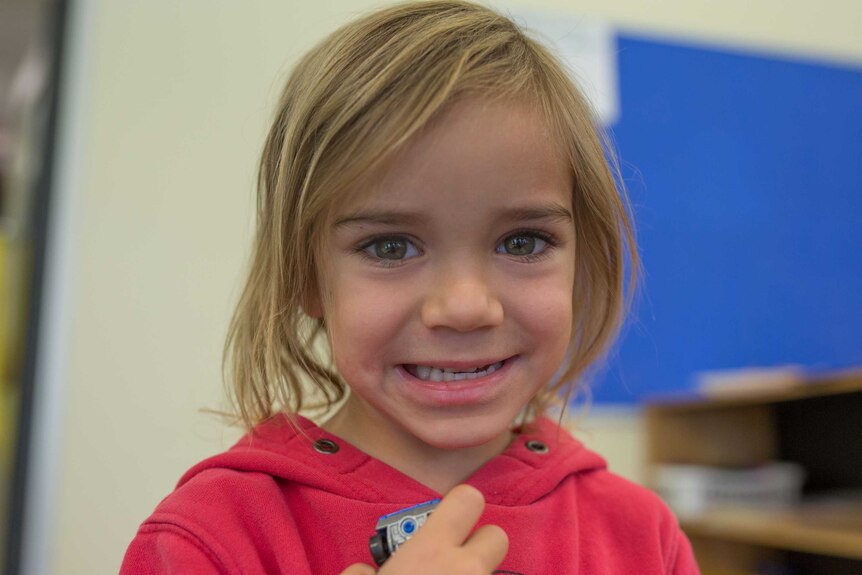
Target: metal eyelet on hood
(537, 446)
(325, 446)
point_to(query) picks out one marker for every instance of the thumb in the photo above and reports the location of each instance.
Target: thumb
(359, 569)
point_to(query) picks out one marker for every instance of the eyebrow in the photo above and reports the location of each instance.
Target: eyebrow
(550, 211)
(379, 217)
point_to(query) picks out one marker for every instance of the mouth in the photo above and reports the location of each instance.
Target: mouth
(446, 374)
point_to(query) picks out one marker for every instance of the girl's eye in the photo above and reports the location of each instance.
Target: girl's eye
(391, 249)
(523, 244)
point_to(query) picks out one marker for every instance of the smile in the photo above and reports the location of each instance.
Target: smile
(431, 373)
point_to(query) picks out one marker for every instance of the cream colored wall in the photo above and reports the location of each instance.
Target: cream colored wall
(821, 29)
(178, 98)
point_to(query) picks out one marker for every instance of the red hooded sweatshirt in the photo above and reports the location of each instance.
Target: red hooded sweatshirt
(275, 504)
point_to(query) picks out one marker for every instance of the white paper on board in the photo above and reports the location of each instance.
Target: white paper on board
(587, 47)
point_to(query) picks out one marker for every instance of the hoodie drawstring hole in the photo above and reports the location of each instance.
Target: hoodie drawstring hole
(325, 446)
(537, 446)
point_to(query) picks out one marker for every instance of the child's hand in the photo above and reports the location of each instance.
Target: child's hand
(442, 545)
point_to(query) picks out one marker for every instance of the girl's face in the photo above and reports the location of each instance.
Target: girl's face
(447, 280)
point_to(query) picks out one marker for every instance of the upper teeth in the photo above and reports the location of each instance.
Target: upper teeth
(428, 373)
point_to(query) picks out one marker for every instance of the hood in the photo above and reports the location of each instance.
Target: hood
(530, 468)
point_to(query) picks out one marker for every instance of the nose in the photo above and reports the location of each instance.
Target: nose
(463, 302)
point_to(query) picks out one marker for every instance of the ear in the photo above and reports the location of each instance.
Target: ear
(312, 303)
(312, 308)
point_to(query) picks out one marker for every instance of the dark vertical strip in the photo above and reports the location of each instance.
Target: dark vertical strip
(57, 13)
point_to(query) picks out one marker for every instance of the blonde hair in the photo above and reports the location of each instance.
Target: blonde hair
(349, 104)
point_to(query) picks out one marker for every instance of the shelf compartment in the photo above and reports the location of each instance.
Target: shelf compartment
(830, 526)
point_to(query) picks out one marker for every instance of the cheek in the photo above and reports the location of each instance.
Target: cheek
(364, 321)
(549, 317)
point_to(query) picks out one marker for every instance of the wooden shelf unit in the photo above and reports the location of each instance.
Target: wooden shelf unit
(816, 423)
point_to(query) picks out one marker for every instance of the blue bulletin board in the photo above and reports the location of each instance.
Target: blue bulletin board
(745, 173)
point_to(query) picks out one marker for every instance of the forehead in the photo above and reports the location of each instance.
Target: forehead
(477, 152)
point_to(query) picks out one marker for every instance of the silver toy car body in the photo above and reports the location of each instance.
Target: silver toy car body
(394, 529)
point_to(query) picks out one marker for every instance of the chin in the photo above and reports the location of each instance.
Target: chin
(463, 433)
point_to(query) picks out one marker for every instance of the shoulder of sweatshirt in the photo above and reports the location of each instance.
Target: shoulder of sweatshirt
(224, 517)
(637, 514)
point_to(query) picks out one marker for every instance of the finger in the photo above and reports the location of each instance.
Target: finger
(490, 543)
(359, 569)
(455, 516)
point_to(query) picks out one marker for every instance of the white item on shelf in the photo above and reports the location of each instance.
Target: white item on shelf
(692, 489)
(749, 381)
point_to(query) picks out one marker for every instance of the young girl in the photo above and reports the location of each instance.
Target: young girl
(440, 254)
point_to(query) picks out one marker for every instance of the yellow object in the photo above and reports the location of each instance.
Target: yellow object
(8, 395)
(5, 312)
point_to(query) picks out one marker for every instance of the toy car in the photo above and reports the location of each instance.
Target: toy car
(394, 529)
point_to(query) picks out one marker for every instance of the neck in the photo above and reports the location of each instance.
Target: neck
(437, 468)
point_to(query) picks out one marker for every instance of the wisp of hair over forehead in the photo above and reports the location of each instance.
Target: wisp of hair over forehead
(348, 105)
